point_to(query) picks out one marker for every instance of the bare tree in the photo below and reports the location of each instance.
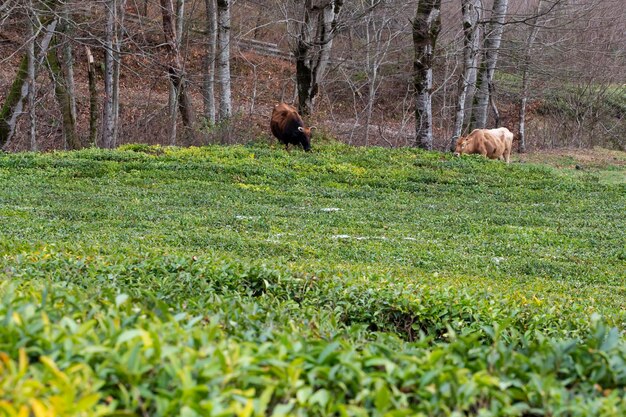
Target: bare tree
(561, 101)
(112, 45)
(109, 128)
(18, 93)
(380, 36)
(169, 29)
(426, 27)
(93, 98)
(179, 94)
(62, 76)
(64, 100)
(223, 58)
(32, 18)
(354, 57)
(209, 64)
(493, 37)
(471, 15)
(7, 9)
(68, 58)
(530, 42)
(313, 35)
(117, 62)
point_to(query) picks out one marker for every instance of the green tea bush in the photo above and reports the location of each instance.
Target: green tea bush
(246, 281)
(80, 357)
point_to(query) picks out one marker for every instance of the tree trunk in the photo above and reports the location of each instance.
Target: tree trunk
(521, 147)
(180, 20)
(472, 76)
(209, 66)
(169, 29)
(526, 79)
(68, 60)
(493, 36)
(117, 62)
(373, 75)
(426, 27)
(223, 58)
(312, 49)
(493, 105)
(471, 16)
(184, 105)
(179, 96)
(62, 76)
(93, 98)
(167, 14)
(379, 38)
(373, 41)
(108, 131)
(304, 78)
(68, 69)
(11, 102)
(172, 110)
(14, 103)
(64, 100)
(31, 18)
(184, 99)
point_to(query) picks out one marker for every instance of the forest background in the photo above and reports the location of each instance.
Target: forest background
(368, 72)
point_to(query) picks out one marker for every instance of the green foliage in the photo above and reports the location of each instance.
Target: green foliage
(247, 281)
(574, 100)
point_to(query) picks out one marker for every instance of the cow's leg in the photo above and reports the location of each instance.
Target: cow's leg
(483, 150)
(507, 155)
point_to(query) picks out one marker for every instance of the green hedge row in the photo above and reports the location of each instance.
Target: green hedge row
(183, 336)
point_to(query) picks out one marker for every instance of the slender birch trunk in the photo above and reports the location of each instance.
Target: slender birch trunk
(530, 42)
(180, 20)
(373, 75)
(223, 58)
(373, 41)
(169, 29)
(172, 111)
(117, 62)
(209, 66)
(472, 76)
(378, 38)
(426, 27)
(184, 97)
(93, 98)
(68, 61)
(108, 130)
(31, 18)
(493, 37)
(471, 16)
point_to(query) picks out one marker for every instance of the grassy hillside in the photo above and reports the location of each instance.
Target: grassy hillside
(350, 281)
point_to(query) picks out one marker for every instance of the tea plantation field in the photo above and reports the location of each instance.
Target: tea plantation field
(248, 281)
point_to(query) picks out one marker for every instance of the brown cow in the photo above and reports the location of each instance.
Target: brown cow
(492, 143)
(288, 127)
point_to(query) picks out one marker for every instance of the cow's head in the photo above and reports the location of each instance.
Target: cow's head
(461, 144)
(304, 134)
